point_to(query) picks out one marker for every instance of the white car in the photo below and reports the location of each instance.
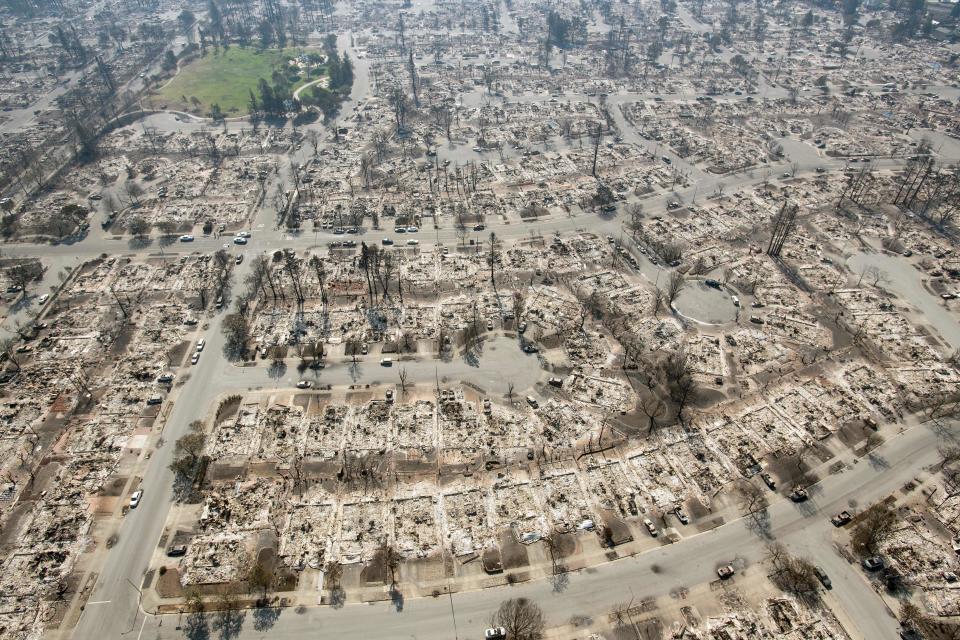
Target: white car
(304, 384)
(201, 343)
(413, 241)
(195, 359)
(186, 238)
(135, 498)
(43, 298)
(239, 240)
(651, 528)
(386, 362)
(496, 633)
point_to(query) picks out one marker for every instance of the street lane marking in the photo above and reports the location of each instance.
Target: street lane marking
(100, 602)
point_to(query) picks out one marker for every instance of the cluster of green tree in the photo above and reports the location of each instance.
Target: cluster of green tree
(340, 71)
(274, 98)
(189, 461)
(563, 33)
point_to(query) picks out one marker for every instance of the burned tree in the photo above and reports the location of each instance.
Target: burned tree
(783, 225)
(522, 619)
(674, 285)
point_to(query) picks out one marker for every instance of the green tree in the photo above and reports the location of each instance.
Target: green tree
(169, 61)
(237, 334)
(138, 226)
(185, 20)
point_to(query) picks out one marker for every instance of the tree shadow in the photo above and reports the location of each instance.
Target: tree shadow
(277, 369)
(265, 617)
(354, 371)
(139, 242)
(808, 508)
(338, 598)
(877, 461)
(229, 623)
(942, 429)
(197, 627)
(759, 524)
(560, 579)
(396, 599)
(471, 358)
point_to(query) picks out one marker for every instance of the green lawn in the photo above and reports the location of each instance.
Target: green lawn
(224, 77)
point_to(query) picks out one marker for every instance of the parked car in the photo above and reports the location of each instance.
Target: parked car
(195, 358)
(799, 495)
(681, 515)
(413, 241)
(165, 377)
(529, 348)
(726, 571)
(387, 242)
(43, 298)
(239, 240)
(186, 238)
(532, 402)
(135, 498)
(651, 528)
(873, 563)
(386, 362)
(201, 343)
(495, 633)
(304, 384)
(239, 259)
(177, 550)
(841, 518)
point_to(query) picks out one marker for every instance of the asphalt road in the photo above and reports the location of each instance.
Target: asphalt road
(805, 529)
(500, 363)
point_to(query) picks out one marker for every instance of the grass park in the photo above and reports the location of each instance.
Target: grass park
(226, 77)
